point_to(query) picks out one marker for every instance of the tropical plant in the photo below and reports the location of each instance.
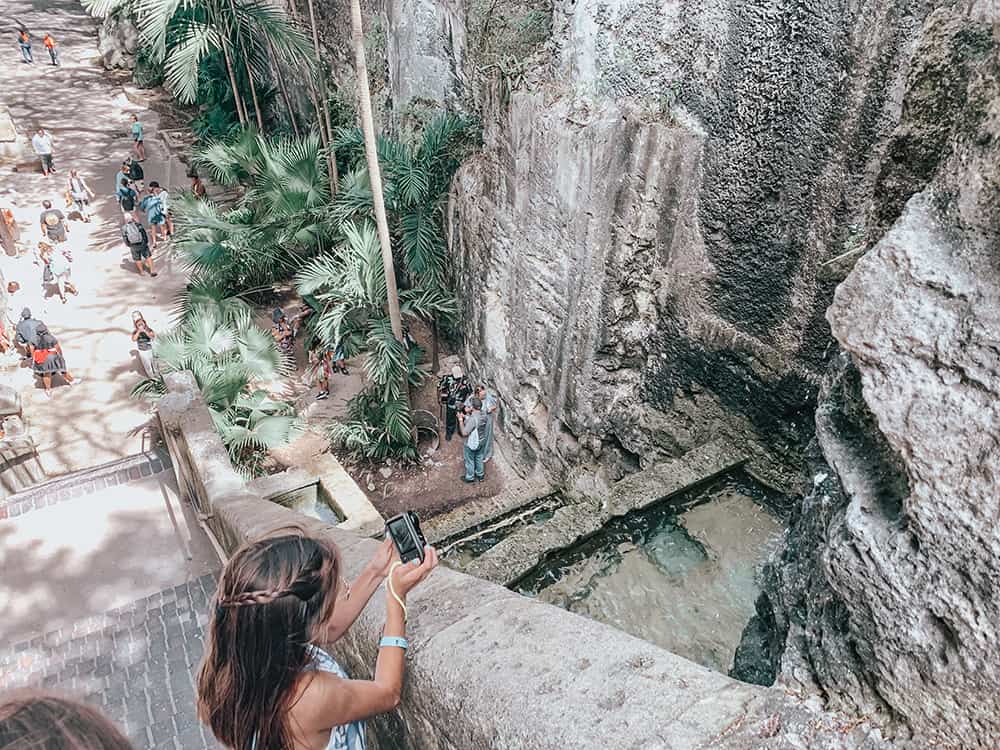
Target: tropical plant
(229, 357)
(180, 35)
(280, 219)
(348, 284)
(417, 178)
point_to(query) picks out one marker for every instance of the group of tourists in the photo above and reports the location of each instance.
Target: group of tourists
(471, 413)
(38, 346)
(24, 44)
(54, 255)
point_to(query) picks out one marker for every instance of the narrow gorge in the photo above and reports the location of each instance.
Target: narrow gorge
(774, 223)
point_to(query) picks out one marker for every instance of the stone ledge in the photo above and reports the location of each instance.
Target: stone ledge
(491, 669)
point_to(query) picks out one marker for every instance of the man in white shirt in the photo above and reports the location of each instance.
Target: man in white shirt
(42, 143)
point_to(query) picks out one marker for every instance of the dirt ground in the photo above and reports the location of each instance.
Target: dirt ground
(431, 487)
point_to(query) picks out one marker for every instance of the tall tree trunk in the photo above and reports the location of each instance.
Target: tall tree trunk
(237, 99)
(280, 78)
(435, 365)
(324, 120)
(375, 177)
(253, 94)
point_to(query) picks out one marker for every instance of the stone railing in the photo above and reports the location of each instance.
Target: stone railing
(488, 668)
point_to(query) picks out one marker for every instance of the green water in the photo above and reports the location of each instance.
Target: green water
(683, 576)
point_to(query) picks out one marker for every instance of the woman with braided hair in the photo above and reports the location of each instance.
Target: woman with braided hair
(264, 683)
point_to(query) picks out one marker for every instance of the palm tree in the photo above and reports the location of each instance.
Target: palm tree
(180, 34)
(348, 284)
(281, 218)
(228, 356)
(416, 189)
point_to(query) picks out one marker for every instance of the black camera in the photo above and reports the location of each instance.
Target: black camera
(404, 530)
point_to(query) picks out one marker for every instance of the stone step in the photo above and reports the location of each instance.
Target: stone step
(136, 663)
(85, 482)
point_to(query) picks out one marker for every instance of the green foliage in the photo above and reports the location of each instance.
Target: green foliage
(348, 285)
(280, 219)
(228, 355)
(183, 41)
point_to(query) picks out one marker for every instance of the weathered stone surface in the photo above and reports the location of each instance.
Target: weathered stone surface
(640, 239)
(118, 41)
(489, 669)
(886, 597)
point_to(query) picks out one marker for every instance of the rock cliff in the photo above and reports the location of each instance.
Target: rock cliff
(886, 595)
(641, 239)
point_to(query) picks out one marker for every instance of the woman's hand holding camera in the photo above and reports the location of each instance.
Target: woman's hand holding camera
(405, 577)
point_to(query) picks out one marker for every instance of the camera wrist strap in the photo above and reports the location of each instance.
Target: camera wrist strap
(392, 590)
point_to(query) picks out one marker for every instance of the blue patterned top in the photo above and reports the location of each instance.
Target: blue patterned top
(346, 736)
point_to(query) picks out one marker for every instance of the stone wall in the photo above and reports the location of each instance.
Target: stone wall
(490, 669)
(885, 598)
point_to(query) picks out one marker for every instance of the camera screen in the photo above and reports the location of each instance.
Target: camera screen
(403, 539)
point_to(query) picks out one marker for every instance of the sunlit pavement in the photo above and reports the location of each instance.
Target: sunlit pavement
(88, 117)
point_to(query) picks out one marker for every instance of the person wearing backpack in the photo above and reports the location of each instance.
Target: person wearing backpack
(135, 238)
(53, 223)
(472, 427)
(24, 42)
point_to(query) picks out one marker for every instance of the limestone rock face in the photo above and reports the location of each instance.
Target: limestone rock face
(886, 597)
(640, 240)
(118, 41)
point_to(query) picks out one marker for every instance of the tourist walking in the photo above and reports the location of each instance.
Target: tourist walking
(50, 45)
(490, 405)
(453, 389)
(473, 428)
(137, 241)
(57, 270)
(48, 360)
(80, 193)
(143, 337)
(41, 141)
(24, 42)
(53, 223)
(140, 148)
(155, 217)
(135, 173)
(319, 359)
(26, 333)
(264, 681)
(124, 192)
(164, 197)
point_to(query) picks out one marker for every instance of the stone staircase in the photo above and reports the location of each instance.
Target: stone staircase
(137, 663)
(105, 589)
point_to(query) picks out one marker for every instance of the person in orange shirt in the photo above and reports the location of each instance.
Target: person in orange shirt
(24, 42)
(50, 45)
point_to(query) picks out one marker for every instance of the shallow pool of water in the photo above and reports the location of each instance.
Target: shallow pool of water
(683, 576)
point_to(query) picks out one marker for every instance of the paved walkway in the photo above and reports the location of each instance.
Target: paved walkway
(105, 588)
(88, 116)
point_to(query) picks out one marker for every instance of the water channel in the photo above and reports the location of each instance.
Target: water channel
(682, 574)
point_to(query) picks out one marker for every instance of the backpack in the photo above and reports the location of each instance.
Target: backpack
(133, 235)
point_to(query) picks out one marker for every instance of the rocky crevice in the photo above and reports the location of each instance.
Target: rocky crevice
(885, 598)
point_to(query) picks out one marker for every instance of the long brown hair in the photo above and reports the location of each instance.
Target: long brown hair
(35, 720)
(271, 596)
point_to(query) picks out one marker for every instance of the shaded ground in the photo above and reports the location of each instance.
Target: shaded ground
(88, 117)
(432, 487)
